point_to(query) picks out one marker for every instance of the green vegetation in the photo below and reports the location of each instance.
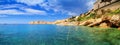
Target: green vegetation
(80, 18)
(71, 19)
(91, 15)
(115, 12)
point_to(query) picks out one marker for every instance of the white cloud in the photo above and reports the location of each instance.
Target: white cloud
(49, 5)
(58, 6)
(28, 11)
(90, 4)
(17, 9)
(31, 2)
(45, 5)
(55, 5)
(7, 6)
(33, 11)
(73, 14)
(12, 11)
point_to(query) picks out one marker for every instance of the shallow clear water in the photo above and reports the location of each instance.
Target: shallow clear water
(47, 35)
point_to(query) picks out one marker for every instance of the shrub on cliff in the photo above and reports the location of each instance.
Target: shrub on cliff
(91, 15)
(80, 18)
(116, 11)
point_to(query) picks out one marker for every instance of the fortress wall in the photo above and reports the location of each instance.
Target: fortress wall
(95, 7)
(98, 4)
(113, 0)
(101, 5)
(113, 6)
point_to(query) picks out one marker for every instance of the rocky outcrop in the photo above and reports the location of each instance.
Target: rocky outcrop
(103, 25)
(96, 22)
(105, 21)
(101, 15)
(115, 19)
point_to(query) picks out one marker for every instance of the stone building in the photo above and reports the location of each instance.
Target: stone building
(101, 5)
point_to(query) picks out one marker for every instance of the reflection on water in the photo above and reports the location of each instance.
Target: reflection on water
(57, 35)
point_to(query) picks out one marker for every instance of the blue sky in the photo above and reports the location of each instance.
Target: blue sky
(24, 11)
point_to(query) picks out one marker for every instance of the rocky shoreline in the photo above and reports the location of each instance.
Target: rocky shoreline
(102, 15)
(105, 14)
(111, 19)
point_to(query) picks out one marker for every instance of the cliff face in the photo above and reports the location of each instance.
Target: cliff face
(109, 19)
(106, 16)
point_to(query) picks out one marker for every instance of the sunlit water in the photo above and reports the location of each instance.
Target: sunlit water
(49, 35)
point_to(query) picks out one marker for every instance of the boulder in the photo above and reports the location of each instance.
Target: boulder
(85, 23)
(96, 22)
(115, 19)
(103, 25)
(118, 28)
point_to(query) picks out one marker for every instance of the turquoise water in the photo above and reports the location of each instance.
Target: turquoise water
(47, 35)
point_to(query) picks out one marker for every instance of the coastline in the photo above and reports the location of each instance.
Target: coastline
(107, 16)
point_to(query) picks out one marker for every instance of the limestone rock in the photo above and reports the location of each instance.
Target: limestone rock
(115, 19)
(97, 21)
(85, 23)
(103, 25)
(118, 28)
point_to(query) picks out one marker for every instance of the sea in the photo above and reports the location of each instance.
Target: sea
(47, 34)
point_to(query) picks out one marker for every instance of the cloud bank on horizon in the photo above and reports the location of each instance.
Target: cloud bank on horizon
(44, 7)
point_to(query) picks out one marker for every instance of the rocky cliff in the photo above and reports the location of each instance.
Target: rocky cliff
(108, 18)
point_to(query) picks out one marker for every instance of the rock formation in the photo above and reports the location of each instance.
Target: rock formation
(107, 15)
(102, 15)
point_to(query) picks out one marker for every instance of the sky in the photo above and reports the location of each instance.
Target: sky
(24, 11)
